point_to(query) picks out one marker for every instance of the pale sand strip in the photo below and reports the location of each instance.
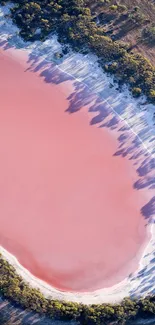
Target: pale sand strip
(112, 294)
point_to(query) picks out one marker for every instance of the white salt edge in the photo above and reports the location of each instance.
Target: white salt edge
(85, 68)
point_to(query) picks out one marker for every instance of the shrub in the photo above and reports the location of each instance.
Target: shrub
(122, 8)
(113, 7)
(136, 91)
(152, 95)
(14, 288)
(149, 33)
(74, 24)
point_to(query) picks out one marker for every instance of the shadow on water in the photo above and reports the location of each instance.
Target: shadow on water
(102, 115)
(129, 144)
(148, 210)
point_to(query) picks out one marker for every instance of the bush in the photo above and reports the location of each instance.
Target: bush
(14, 288)
(152, 95)
(136, 92)
(122, 8)
(74, 24)
(113, 7)
(149, 33)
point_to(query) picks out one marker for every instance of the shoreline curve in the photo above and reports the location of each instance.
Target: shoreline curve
(113, 294)
(152, 230)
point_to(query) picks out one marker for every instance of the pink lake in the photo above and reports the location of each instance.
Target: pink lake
(68, 209)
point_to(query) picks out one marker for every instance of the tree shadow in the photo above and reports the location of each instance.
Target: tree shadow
(15, 315)
(123, 17)
(148, 210)
(146, 167)
(129, 144)
(126, 27)
(150, 43)
(104, 109)
(79, 98)
(142, 183)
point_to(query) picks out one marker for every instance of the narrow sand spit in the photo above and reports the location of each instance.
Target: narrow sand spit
(69, 211)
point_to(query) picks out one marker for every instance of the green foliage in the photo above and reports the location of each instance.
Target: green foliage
(121, 8)
(14, 288)
(137, 17)
(149, 33)
(137, 72)
(152, 94)
(74, 24)
(136, 91)
(113, 7)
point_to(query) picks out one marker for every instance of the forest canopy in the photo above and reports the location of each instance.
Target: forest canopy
(14, 288)
(75, 24)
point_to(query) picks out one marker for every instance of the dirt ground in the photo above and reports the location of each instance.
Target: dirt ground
(120, 26)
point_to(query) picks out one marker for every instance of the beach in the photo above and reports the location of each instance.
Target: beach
(72, 207)
(73, 174)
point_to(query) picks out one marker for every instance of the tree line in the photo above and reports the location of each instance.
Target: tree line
(75, 24)
(13, 287)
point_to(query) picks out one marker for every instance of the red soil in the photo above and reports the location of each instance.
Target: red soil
(68, 210)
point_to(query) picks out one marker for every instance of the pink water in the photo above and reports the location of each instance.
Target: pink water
(68, 210)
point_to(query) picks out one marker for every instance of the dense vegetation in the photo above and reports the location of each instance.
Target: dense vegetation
(75, 23)
(13, 287)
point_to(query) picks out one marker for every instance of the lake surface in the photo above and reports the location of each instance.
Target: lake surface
(68, 208)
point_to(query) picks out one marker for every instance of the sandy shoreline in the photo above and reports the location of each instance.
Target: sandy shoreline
(116, 293)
